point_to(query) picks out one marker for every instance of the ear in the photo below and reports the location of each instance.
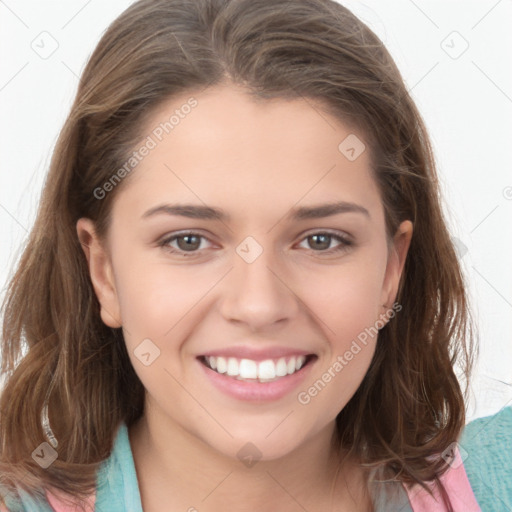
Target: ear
(100, 269)
(395, 264)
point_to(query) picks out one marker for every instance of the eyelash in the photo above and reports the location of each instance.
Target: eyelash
(344, 245)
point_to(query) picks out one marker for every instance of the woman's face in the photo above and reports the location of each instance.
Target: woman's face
(269, 280)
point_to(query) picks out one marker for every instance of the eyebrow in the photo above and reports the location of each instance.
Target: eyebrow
(298, 213)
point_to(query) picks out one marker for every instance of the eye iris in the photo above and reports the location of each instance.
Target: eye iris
(326, 240)
(188, 246)
(191, 242)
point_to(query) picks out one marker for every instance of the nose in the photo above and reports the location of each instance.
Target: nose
(258, 294)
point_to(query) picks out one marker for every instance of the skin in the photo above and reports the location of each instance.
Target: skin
(257, 161)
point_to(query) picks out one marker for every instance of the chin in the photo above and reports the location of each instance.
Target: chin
(257, 444)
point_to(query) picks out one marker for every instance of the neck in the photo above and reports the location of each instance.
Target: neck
(177, 468)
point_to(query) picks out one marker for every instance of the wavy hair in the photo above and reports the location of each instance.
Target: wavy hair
(56, 352)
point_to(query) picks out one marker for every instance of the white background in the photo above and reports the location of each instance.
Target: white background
(466, 101)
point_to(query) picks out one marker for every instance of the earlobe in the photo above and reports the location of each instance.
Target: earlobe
(100, 271)
(396, 262)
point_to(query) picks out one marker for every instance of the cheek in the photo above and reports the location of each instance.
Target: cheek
(347, 300)
(153, 294)
(348, 305)
(154, 301)
(156, 307)
(352, 335)
(335, 383)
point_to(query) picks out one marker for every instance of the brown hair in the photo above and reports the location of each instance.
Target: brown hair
(409, 407)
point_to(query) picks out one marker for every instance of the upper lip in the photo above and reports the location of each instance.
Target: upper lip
(257, 353)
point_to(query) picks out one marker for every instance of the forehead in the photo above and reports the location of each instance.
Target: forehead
(230, 149)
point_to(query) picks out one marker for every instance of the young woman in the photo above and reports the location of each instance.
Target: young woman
(240, 292)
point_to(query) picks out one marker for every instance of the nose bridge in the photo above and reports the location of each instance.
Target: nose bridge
(256, 293)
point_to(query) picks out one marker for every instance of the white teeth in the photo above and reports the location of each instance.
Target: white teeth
(232, 367)
(281, 368)
(263, 370)
(267, 369)
(222, 365)
(248, 369)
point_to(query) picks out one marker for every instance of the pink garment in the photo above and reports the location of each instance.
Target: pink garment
(57, 505)
(56, 501)
(457, 487)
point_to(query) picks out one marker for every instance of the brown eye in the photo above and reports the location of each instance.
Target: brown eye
(187, 244)
(320, 242)
(190, 242)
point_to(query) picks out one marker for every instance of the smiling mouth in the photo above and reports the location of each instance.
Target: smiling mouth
(268, 370)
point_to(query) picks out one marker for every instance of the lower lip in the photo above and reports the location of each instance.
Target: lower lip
(256, 391)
